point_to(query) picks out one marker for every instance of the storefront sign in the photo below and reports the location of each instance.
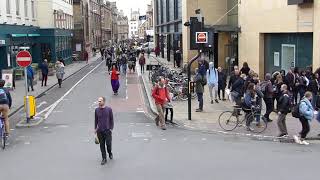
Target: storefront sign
(2, 42)
(7, 75)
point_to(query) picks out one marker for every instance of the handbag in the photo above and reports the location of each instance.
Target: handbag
(96, 139)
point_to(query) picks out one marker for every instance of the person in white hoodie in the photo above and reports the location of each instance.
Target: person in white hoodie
(212, 77)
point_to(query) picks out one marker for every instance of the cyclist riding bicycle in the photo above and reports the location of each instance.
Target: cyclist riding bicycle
(5, 105)
(249, 104)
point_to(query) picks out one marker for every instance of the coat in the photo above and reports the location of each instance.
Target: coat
(222, 80)
(60, 71)
(212, 77)
(306, 109)
(199, 81)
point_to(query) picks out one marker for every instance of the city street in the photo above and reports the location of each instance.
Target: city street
(63, 148)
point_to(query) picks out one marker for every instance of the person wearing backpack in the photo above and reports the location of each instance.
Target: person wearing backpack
(212, 77)
(161, 96)
(283, 109)
(306, 115)
(200, 81)
(5, 105)
(267, 90)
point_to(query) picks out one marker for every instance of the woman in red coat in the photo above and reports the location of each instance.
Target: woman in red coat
(115, 79)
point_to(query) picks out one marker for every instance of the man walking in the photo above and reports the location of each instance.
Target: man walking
(212, 76)
(30, 77)
(284, 109)
(200, 81)
(44, 70)
(103, 125)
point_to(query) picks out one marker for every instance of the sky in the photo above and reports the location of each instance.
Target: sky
(126, 5)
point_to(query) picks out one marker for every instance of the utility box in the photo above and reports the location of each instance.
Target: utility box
(32, 105)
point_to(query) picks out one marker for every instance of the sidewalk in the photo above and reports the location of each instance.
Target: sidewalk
(207, 121)
(19, 92)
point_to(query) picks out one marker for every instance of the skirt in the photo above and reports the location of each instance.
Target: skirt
(115, 85)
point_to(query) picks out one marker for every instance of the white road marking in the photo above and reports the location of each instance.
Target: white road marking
(41, 104)
(54, 105)
(27, 143)
(163, 139)
(45, 127)
(204, 139)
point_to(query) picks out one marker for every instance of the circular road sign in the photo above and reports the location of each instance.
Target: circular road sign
(24, 58)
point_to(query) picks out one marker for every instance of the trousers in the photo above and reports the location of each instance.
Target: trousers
(215, 88)
(305, 127)
(282, 124)
(105, 139)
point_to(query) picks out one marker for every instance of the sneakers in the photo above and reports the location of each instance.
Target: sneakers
(216, 100)
(164, 128)
(103, 162)
(199, 110)
(297, 139)
(303, 142)
(283, 136)
(248, 128)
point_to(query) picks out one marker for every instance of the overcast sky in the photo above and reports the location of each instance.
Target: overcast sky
(126, 5)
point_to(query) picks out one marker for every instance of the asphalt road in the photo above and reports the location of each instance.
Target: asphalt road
(62, 147)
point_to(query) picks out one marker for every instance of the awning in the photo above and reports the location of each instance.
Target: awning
(224, 28)
(19, 35)
(33, 35)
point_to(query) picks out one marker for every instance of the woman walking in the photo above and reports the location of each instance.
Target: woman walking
(142, 62)
(115, 79)
(59, 72)
(306, 115)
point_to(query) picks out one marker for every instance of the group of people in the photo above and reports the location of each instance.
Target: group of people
(295, 90)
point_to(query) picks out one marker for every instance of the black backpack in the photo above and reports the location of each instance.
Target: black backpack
(3, 95)
(295, 111)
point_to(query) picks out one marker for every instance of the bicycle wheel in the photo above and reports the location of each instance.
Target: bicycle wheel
(228, 121)
(3, 138)
(258, 125)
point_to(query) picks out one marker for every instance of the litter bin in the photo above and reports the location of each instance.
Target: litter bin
(32, 105)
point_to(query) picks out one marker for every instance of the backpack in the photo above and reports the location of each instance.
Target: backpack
(264, 86)
(295, 111)
(3, 95)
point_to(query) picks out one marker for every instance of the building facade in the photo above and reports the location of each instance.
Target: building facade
(114, 26)
(56, 23)
(19, 30)
(106, 23)
(123, 27)
(134, 24)
(289, 36)
(81, 33)
(95, 23)
(168, 26)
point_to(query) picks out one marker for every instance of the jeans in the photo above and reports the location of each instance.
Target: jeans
(44, 79)
(200, 99)
(105, 139)
(215, 88)
(282, 124)
(305, 127)
(30, 83)
(142, 68)
(269, 107)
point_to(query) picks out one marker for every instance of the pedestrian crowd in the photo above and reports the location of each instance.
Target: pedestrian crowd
(296, 92)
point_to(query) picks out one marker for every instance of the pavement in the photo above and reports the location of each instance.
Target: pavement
(62, 147)
(207, 121)
(19, 92)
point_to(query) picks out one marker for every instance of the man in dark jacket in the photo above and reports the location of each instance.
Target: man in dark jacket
(30, 77)
(289, 80)
(268, 97)
(222, 83)
(44, 70)
(199, 80)
(237, 89)
(233, 76)
(284, 109)
(5, 105)
(103, 126)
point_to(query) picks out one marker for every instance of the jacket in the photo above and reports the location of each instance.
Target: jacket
(237, 86)
(212, 76)
(248, 101)
(9, 98)
(284, 103)
(160, 95)
(313, 86)
(306, 109)
(289, 80)
(199, 80)
(60, 71)
(232, 79)
(44, 68)
(269, 90)
(30, 73)
(222, 80)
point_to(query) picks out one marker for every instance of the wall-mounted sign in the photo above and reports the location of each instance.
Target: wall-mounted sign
(276, 59)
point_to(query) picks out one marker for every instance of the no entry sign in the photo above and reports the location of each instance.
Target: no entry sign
(24, 58)
(201, 37)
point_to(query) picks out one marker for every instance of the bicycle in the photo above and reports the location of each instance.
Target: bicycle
(3, 134)
(230, 120)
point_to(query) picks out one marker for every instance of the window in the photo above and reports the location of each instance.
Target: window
(8, 6)
(18, 7)
(26, 8)
(33, 13)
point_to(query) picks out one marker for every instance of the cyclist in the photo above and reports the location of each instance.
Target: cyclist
(5, 105)
(249, 104)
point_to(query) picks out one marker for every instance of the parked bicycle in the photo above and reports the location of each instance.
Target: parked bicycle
(230, 120)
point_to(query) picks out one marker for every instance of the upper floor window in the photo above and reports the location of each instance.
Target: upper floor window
(8, 7)
(18, 7)
(33, 13)
(26, 8)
